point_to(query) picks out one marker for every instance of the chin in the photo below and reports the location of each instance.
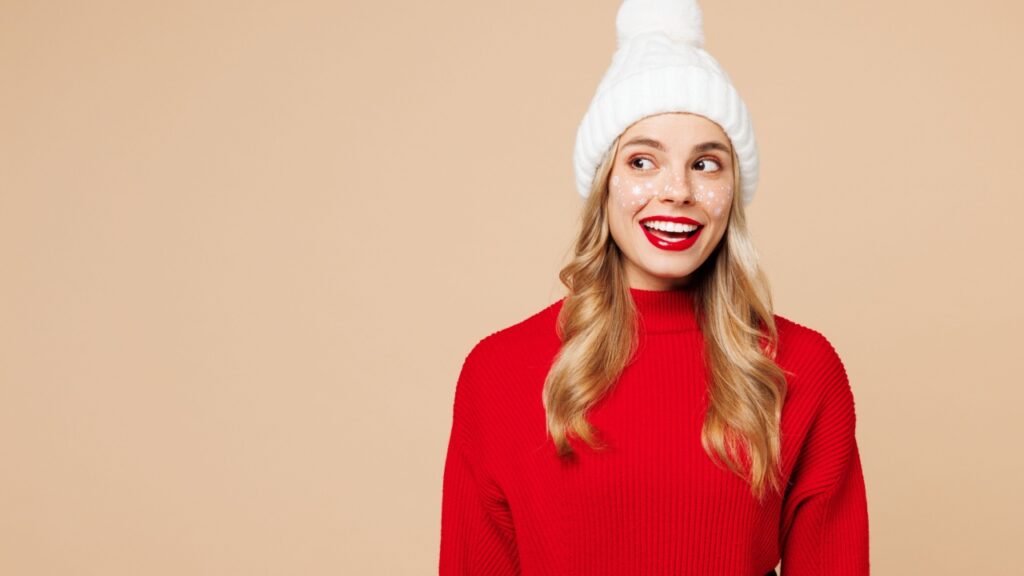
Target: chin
(670, 273)
(671, 265)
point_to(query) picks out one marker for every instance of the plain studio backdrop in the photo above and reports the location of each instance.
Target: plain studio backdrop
(245, 247)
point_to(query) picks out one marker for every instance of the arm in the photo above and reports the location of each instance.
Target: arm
(825, 527)
(477, 535)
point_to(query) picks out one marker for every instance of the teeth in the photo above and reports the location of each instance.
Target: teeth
(670, 226)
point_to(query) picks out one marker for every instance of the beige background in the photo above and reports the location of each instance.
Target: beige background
(245, 247)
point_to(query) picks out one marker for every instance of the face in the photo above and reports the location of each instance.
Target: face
(670, 194)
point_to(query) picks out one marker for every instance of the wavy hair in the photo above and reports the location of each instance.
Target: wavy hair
(598, 329)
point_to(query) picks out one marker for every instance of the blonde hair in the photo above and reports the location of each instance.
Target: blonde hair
(598, 328)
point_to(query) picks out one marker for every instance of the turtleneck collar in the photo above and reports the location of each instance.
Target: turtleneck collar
(665, 310)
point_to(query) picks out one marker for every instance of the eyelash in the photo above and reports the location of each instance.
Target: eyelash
(700, 160)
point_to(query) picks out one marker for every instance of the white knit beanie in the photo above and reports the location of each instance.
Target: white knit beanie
(659, 66)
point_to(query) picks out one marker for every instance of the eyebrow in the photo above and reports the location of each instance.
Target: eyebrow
(702, 147)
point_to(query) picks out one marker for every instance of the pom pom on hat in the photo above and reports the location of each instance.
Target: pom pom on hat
(680, 20)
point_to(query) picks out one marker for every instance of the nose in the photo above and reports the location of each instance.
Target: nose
(676, 190)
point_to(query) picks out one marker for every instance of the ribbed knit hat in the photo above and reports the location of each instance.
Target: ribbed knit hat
(659, 66)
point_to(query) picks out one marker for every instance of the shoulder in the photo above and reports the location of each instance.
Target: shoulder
(499, 365)
(814, 368)
(801, 345)
(521, 336)
(516, 344)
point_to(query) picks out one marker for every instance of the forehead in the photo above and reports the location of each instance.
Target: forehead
(676, 129)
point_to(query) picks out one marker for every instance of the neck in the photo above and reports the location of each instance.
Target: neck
(665, 310)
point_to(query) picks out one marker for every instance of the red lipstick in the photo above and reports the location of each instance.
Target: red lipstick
(669, 244)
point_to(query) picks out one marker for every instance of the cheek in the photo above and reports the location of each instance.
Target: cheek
(628, 194)
(715, 197)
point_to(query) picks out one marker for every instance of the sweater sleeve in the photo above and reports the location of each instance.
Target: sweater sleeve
(477, 535)
(825, 516)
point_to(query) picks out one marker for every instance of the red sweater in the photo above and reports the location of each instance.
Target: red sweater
(653, 502)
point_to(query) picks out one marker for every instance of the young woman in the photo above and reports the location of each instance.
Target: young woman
(660, 418)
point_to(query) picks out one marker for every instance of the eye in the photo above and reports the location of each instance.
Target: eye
(633, 162)
(703, 162)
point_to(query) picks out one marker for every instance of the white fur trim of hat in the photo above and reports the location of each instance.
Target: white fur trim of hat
(660, 65)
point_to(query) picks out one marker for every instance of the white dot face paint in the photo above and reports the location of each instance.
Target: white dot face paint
(715, 197)
(634, 193)
(630, 194)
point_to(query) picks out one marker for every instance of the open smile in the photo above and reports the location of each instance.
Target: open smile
(671, 232)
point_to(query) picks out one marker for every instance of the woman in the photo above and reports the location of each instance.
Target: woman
(661, 418)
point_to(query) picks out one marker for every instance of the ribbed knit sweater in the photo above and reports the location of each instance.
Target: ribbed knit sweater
(653, 503)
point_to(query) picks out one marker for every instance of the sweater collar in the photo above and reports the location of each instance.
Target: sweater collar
(665, 310)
